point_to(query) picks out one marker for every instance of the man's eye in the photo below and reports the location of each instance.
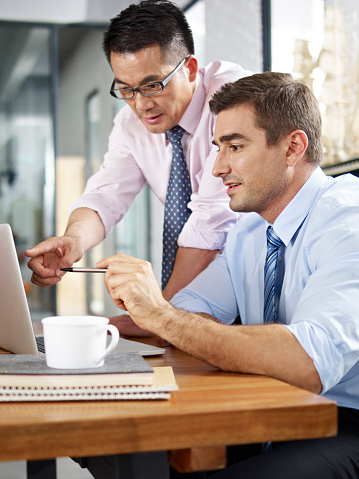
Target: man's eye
(151, 87)
(235, 147)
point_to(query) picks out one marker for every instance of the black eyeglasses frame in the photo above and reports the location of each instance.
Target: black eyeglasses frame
(162, 84)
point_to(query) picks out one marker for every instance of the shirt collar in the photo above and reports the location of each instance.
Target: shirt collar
(192, 115)
(297, 210)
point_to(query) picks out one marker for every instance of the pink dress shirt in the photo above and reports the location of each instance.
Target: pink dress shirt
(136, 156)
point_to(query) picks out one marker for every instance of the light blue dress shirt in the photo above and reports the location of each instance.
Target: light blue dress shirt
(319, 302)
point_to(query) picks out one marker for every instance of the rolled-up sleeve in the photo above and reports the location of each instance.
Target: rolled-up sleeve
(326, 320)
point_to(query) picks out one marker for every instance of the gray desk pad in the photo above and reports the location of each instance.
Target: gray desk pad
(35, 365)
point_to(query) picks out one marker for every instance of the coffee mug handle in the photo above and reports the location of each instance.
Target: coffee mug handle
(115, 336)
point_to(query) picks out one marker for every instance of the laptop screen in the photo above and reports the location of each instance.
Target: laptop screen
(16, 331)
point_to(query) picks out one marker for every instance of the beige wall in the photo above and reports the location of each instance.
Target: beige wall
(71, 291)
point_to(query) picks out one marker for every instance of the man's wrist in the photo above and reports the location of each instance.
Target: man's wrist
(76, 234)
(160, 319)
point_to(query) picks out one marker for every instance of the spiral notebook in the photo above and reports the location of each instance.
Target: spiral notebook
(120, 379)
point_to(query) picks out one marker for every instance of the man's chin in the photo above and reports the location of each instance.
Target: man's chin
(157, 129)
(238, 206)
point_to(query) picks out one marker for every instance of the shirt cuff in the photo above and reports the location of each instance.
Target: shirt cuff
(192, 237)
(320, 348)
(183, 300)
(92, 205)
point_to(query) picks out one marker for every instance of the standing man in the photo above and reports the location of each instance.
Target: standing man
(290, 269)
(162, 137)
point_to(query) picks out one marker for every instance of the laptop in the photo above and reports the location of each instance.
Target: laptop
(16, 330)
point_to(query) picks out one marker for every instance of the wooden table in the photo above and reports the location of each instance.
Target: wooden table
(211, 408)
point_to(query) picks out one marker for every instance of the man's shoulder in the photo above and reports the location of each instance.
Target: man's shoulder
(336, 205)
(218, 73)
(342, 190)
(345, 181)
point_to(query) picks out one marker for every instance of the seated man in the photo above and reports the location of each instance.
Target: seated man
(290, 269)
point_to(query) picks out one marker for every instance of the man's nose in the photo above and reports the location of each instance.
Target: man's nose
(221, 165)
(143, 103)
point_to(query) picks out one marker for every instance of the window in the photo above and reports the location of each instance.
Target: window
(320, 44)
(27, 145)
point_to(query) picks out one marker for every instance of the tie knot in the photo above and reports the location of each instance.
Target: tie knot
(273, 238)
(175, 134)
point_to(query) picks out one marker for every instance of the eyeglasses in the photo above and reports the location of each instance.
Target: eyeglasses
(149, 89)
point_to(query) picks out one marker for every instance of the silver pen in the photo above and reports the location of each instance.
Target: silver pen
(84, 270)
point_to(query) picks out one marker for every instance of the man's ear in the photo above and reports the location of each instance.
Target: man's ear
(297, 146)
(192, 67)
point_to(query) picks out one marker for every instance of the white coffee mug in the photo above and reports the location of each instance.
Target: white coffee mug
(77, 342)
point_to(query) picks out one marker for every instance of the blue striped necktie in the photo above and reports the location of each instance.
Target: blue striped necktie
(178, 195)
(270, 267)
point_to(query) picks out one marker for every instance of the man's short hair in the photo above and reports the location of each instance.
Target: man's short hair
(148, 23)
(281, 104)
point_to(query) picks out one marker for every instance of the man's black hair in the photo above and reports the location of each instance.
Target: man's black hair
(148, 23)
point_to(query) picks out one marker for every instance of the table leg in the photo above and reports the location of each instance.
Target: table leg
(41, 469)
(143, 465)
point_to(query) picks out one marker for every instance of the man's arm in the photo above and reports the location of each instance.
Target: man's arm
(270, 350)
(259, 349)
(84, 230)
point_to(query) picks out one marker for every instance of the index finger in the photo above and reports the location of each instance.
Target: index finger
(47, 246)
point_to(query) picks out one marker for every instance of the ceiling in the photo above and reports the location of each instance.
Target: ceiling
(67, 11)
(22, 46)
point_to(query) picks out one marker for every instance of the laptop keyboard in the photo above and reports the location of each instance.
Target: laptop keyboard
(40, 344)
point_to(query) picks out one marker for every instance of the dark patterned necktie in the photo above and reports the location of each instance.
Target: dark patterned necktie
(270, 267)
(176, 210)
